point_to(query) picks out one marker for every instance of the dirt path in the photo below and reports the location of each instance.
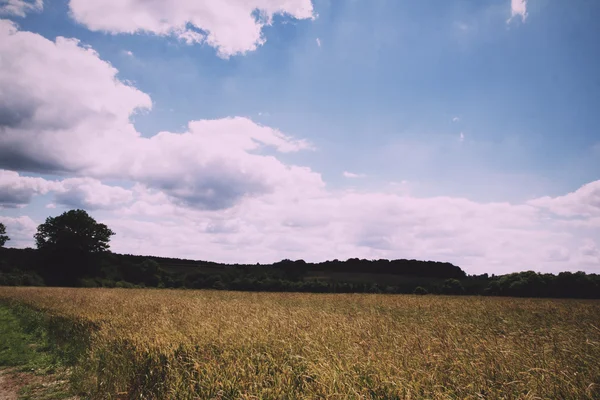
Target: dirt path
(46, 386)
(8, 387)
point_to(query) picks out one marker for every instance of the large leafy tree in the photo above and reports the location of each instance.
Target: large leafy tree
(73, 230)
(71, 244)
(3, 236)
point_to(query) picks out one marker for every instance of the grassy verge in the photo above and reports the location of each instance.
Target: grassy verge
(30, 364)
(19, 348)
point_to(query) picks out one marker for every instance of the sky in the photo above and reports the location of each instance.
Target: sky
(257, 130)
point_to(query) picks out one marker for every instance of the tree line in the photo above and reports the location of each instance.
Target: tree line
(73, 249)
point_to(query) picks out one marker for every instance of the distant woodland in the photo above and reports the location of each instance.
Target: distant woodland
(73, 250)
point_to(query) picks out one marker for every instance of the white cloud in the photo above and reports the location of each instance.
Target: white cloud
(128, 52)
(589, 248)
(91, 194)
(20, 230)
(218, 191)
(403, 188)
(318, 42)
(61, 106)
(461, 137)
(68, 113)
(230, 26)
(17, 191)
(557, 253)
(584, 202)
(352, 175)
(20, 8)
(213, 164)
(480, 237)
(518, 8)
(456, 119)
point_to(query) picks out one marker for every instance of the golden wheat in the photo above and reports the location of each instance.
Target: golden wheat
(170, 344)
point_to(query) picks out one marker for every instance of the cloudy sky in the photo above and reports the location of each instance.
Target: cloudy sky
(256, 130)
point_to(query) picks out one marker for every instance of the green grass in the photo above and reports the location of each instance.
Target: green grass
(56, 390)
(19, 348)
(28, 354)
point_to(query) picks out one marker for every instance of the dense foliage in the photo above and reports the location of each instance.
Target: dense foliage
(73, 231)
(3, 236)
(73, 251)
(27, 267)
(71, 246)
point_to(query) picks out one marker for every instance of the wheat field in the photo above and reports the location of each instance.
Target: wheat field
(179, 344)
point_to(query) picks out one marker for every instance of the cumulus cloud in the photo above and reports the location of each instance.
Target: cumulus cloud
(213, 164)
(230, 26)
(63, 110)
(455, 119)
(589, 248)
(20, 8)
(480, 237)
(20, 230)
(60, 105)
(91, 194)
(318, 42)
(518, 8)
(219, 191)
(584, 202)
(17, 191)
(557, 254)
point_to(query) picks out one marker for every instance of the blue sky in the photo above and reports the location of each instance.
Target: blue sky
(486, 102)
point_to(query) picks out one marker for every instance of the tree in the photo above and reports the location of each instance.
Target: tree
(3, 236)
(73, 230)
(147, 272)
(72, 244)
(452, 286)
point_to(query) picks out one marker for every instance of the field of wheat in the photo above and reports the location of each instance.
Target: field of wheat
(177, 344)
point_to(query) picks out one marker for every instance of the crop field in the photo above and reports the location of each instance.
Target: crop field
(183, 344)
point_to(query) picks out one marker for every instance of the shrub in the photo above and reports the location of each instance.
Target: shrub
(420, 290)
